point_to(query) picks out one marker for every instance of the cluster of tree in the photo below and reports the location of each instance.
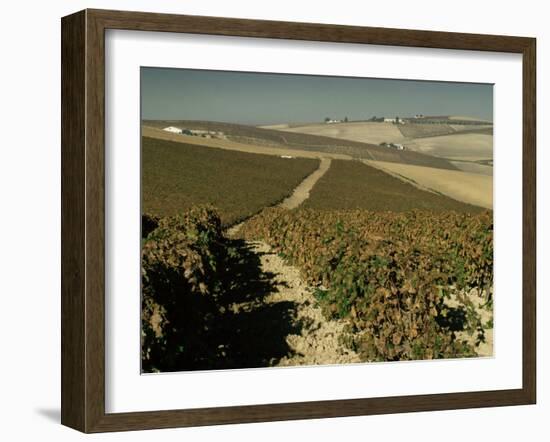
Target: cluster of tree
(376, 119)
(328, 119)
(373, 119)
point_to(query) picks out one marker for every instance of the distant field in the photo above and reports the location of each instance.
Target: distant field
(176, 176)
(452, 119)
(306, 142)
(260, 136)
(354, 185)
(364, 132)
(464, 129)
(413, 131)
(376, 133)
(471, 146)
(472, 188)
(424, 130)
(473, 167)
(467, 118)
(153, 132)
(275, 126)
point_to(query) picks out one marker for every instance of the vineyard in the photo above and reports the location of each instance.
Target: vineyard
(416, 130)
(314, 143)
(203, 299)
(183, 261)
(178, 176)
(355, 185)
(401, 280)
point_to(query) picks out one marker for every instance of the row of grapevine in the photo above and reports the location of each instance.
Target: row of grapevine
(183, 268)
(390, 274)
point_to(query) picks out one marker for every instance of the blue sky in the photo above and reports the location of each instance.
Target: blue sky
(258, 98)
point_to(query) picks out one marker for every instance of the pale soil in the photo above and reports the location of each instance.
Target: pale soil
(459, 127)
(457, 146)
(319, 339)
(276, 126)
(153, 132)
(469, 158)
(478, 299)
(467, 187)
(465, 118)
(374, 133)
(424, 130)
(301, 193)
(233, 231)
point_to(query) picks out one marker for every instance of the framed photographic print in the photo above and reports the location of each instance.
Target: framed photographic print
(270, 220)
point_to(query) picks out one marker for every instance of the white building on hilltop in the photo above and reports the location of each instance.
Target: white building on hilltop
(175, 130)
(395, 120)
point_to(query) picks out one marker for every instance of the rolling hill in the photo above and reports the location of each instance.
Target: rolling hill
(306, 142)
(354, 185)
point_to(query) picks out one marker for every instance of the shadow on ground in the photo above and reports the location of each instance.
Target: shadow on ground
(248, 332)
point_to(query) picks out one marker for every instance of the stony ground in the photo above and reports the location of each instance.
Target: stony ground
(318, 340)
(310, 339)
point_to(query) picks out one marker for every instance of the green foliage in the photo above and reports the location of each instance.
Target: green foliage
(389, 274)
(183, 270)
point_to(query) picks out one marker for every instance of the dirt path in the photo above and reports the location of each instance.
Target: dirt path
(301, 193)
(312, 339)
(281, 313)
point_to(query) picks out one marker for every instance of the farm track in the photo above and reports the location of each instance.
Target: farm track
(269, 141)
(312, 340)
(301, 193)
(232, 145)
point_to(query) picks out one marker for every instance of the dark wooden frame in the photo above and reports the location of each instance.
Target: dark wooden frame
(83, 215)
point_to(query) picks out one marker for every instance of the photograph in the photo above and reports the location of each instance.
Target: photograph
(304, 220)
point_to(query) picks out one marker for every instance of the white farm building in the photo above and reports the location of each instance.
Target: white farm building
(195, 132)
(395, 120)
(175, 130)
